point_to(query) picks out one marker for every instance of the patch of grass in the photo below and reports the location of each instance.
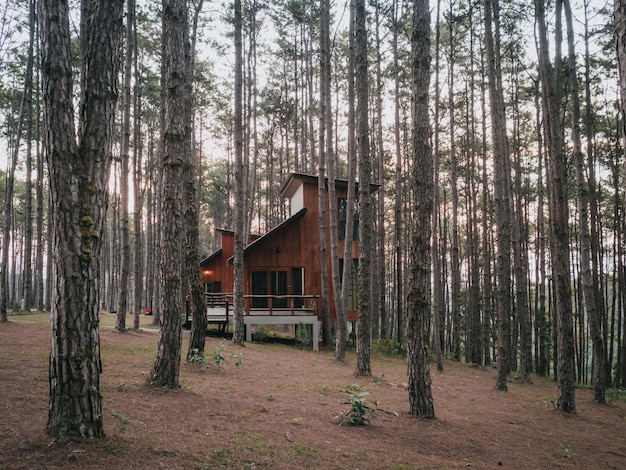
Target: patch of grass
(109, 449)
(133, 350)
(244, 441)
(123, 420)
(300, 451)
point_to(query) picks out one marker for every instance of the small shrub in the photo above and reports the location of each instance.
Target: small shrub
(391, 347)
(198, 357)
(303, 339)
(218, 358)
(359, 413)
(261, 333)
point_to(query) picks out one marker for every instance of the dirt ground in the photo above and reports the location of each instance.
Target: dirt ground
(276, 410)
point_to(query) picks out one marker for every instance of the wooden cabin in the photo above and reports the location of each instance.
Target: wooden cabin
(282, 282)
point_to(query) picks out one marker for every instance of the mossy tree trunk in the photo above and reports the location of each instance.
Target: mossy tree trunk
(79, 172)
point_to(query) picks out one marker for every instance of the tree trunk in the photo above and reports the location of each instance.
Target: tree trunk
(327, 158)
(125, 259)
(28, 223)
(501, 192)
(364, 333)
(542, 331)
(419, 304)
(195, 288)
(78, 187)
(594, 316)
(380, 323)
(176, 144)
(346, 276)
(551, 87)
(398, 220)
(139, 273)
(238, 326)
(39, 276)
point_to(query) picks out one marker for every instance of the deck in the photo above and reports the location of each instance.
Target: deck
(266, 310)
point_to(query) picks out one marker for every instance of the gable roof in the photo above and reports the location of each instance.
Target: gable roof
(272, 232)
(290, 185)
(210, 257)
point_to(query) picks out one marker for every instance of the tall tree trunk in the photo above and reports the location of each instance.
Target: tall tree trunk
(364, 339)
(542, 331)
(327, 157)
(551, 87)
(138, 187)
(195, 288)
(125, 259)
(455, 262)
(438, 293)
(78, 186)
(39, 208)
(176, 145)
(501, 192)
(398, 220)
(419, 304)
(380, 317)
(346, 276)
(238, 326)
(599, 353)
(486, 223)
(28, 223)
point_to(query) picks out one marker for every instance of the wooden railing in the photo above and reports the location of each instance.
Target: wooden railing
(268, 304)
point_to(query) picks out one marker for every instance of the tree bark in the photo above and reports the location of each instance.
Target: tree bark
(176, 144)
(238, 326)
(438, 294)
(364, 332)
(125, 259)
(78, 186)
(195, 289)
(501, 193)
(559, 240)
(327, 160)
(589, 291)
(419, 303)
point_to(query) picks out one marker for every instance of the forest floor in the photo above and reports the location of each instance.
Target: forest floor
(276, 409)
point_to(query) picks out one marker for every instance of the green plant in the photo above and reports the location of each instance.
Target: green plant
(391, 347)
(198, 357)
(261, 333)
(303, 339)
(567, 452)
(218, 358)
(359, 413)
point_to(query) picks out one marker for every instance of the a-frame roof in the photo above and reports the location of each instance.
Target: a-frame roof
(294, 180)
(272, 232)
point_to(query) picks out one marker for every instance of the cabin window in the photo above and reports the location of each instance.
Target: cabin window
(342, 208)
(266, 284)
(213, 287)
(353, 299)
(259, 287)
(297, 286)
